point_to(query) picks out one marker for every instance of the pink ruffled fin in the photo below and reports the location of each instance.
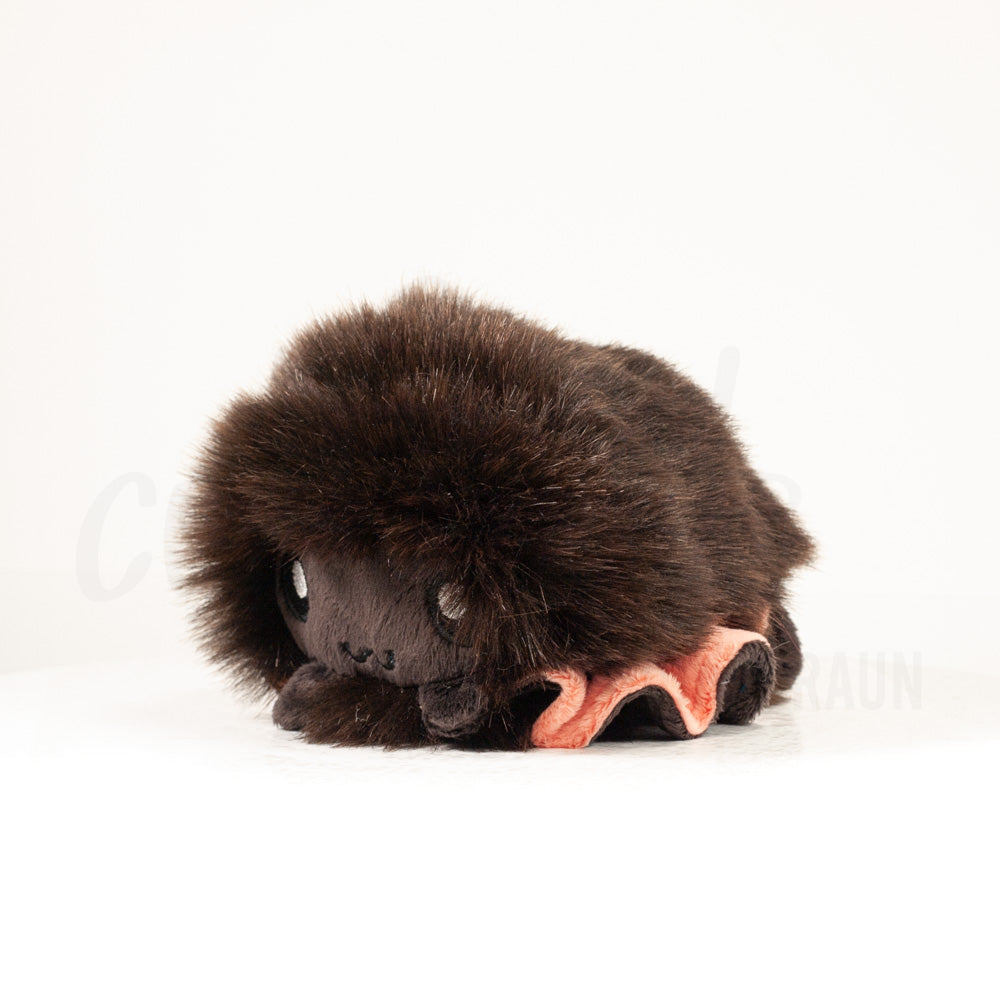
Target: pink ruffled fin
(584, 704)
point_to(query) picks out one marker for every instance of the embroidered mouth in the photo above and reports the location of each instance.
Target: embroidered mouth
(363, 655)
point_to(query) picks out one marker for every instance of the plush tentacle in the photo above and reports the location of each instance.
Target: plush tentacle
(729, 678)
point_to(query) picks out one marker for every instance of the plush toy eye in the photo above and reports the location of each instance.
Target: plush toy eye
(447, 607)
(295, 589)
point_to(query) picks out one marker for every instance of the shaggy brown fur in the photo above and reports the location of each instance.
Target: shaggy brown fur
(592, 502)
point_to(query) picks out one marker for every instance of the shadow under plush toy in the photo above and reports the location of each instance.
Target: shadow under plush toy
(441, 522)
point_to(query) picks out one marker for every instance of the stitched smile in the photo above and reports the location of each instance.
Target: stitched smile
(363, 654)
(360, 656)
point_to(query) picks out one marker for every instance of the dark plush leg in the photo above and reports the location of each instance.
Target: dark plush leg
(452, 709)
(362, 711)
(784, 639)
(350, 711)
(299, 692)
(746, 684)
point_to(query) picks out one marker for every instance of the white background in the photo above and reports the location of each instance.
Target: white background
(797, 203)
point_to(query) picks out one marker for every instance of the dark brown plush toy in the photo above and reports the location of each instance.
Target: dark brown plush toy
(441, 522)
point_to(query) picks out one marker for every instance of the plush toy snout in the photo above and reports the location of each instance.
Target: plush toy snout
(364, 618)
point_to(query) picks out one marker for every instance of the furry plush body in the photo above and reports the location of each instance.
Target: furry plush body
(440, 521)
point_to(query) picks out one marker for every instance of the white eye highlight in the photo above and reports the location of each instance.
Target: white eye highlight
(450, 602)
(299, 580)
(294, 589)
(446, 605)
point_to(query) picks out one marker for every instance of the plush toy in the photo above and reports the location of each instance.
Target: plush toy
(441, 522)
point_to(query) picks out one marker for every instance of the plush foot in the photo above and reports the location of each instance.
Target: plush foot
(784, 639)
(349, 711)
(299, 694)
(746, 684)
(355, 711)
(452, 709)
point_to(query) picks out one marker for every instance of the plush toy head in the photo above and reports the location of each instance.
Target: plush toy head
(442, 522)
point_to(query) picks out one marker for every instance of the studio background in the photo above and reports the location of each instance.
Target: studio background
(796, 203)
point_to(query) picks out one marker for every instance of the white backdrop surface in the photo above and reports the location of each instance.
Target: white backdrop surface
(797, 203)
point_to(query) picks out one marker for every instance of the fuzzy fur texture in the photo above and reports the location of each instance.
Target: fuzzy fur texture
(592, 503)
